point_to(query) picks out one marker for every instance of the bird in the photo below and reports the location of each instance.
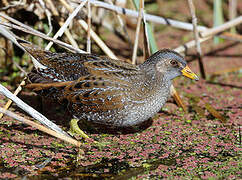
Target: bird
(105, 92)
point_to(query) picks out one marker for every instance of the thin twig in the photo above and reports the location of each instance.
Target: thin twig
(141, 8)
(94, 36)
(98, 40)
(41, 128)
(196, 35)
(48, 14)
(9, 35)
(19, 88)
(190, 44)
(66, 24)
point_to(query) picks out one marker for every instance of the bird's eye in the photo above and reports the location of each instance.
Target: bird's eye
(173, 63)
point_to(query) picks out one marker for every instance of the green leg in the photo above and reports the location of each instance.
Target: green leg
(74, 128)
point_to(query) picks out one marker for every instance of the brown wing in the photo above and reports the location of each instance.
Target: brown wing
(85, 80)
(97, 93)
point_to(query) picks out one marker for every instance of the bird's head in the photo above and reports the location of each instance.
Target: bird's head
(170, 64)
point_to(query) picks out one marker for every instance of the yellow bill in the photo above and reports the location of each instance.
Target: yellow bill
(186, 71)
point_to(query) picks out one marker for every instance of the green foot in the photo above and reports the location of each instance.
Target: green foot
(74, 129)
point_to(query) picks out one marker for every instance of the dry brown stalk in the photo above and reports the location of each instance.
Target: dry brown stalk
(231, 36)
(141, 8)
(196, 35)
(223, 27)
(89, 13)
(8, 104)
(232, 11)
(52, 8)
(42, 128)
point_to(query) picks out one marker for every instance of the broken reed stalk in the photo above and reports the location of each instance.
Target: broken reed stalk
(69, 36)
(149, 17)
(196, 37)
(209, 33)
(67, 32)
(223, 27)
(41, 128)
(134, 55)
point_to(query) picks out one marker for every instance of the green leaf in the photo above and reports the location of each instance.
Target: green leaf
(218, 18)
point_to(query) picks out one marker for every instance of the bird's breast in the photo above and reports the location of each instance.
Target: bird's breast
(140, 111)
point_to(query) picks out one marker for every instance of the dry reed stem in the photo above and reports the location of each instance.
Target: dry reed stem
(222, 27)
(42, 128)
(212, 32)
(196, 36)
(52, 8)
(146, 38)
(89, 12)
(69, 36)
(96, 38)
(42, 35)
(61, 23)
(232, 10)
(149, 17)
(35, 114)
(19, 88)
(134, 55)
(177, 98)
(209, 33)
(66, 24)
(48, 15)
(231, 36)
(122, 24)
